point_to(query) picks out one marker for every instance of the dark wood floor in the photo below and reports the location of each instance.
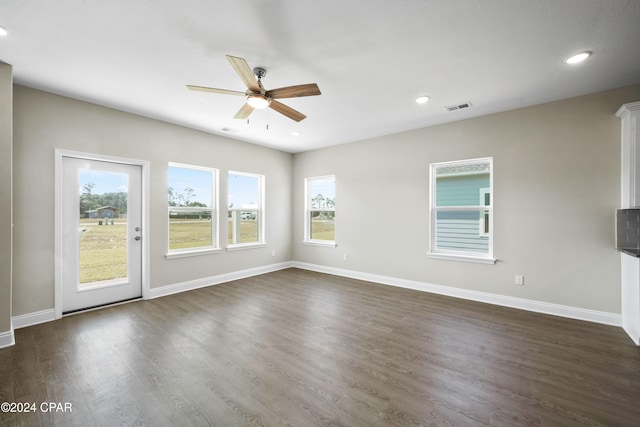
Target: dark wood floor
(296, 348)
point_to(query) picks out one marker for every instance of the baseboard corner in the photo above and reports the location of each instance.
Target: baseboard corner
(7, 339)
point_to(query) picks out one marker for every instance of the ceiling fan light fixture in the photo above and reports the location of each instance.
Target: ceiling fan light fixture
(577, 58)
(258, 101)
(257, 97)
(423, 99)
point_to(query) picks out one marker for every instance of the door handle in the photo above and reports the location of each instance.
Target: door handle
(137, 238)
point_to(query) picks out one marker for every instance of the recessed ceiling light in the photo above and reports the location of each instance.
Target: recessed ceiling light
(422, 99)
(575, 59)
(295, 133)
(3, 32)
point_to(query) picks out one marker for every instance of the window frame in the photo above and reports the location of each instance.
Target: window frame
(482, 208)
(308, 210)
(215, 213)
(485, 226)
(260, 214)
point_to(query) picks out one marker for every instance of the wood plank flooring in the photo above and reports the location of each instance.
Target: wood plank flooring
(297, 348)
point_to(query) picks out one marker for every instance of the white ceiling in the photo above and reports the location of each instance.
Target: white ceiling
(370, 58)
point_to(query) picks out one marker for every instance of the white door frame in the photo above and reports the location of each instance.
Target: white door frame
(144, 164)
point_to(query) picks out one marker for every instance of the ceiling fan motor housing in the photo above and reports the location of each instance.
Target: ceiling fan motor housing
(259, 72)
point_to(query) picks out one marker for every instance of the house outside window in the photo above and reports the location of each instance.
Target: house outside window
(462, 210)
(320, 210)
(192, 210)
(246, 210)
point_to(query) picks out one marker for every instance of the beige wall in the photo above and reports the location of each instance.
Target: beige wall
(44, 122)
(6, 108)
(556, 188)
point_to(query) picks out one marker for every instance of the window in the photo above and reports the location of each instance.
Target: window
(462, 210)
(193, 210)
(246, 210)
(320, 210)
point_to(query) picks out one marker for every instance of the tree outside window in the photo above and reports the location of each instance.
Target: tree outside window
(320, 211)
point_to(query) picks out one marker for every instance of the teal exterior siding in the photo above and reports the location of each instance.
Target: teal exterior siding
(461, 230)
(462, 190)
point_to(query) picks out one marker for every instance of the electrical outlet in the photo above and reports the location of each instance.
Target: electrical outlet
(519, 280)
(346, 257)
(273, 252)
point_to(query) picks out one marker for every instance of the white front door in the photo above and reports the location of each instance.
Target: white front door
(100, 233)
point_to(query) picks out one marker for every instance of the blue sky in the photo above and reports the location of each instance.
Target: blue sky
(243, 190)
(326, 187)
(200, 180)
(105, 182)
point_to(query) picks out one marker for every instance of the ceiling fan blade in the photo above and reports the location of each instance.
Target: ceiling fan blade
(214, 90)
(309, 89)
(287, 111)
(244, 112)
(244, 72)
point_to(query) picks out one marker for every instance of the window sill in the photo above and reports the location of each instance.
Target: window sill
(464, 258)
(194, 252)
(243, 246)
(322, 243)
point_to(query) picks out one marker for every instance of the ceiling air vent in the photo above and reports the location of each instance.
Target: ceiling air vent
(458, 106)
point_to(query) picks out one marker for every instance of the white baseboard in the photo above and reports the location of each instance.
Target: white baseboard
(7, 339)
(215, 280)
(606, 318)
(30, 319)
(613, 319)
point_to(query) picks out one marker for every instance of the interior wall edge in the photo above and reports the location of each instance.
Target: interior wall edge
(7, 204)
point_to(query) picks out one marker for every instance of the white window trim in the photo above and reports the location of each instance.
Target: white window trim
(215, 222)
(307, 210)
(261, 214)
(475, 257)
(322, 243)
(466, 257)
(245, 246)
(483, 193)
(184, 253)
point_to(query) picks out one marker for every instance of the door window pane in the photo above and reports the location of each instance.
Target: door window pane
(102, 227)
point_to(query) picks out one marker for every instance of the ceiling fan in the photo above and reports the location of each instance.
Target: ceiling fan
(256, 95)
